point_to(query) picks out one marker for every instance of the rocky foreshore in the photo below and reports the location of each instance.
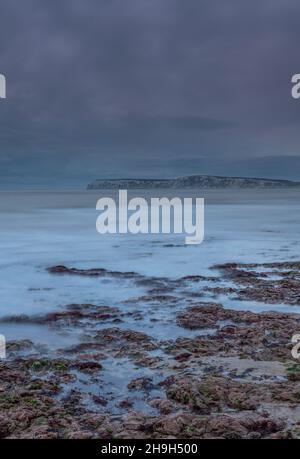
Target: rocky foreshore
(226, 373)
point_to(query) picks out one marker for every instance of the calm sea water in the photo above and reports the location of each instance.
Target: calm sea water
(41, 229)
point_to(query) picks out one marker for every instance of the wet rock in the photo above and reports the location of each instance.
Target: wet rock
(153, 299)
(87, 367)
(73, 315)
(92, 272)
(144, 384)
(261, 286)
(204, 315)
(99, 400)
(264, 336)
(164, 406)
(127, 403)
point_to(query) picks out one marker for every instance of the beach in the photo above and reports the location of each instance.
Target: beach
(143, 336)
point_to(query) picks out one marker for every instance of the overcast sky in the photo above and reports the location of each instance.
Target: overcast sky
(118, 88)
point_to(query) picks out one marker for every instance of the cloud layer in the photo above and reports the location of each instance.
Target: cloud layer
(107, 88)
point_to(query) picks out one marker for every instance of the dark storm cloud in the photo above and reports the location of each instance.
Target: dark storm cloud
(145, 84)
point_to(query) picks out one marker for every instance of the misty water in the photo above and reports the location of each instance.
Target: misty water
(42, 229)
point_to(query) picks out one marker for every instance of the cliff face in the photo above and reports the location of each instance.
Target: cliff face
(192, 182)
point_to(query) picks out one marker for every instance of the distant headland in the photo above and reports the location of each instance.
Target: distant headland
(192, 182)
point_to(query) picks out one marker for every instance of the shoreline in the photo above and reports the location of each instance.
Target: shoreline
(231, 376)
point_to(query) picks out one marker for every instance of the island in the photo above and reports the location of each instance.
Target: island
(191, 182)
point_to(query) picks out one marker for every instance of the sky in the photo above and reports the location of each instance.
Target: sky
(147, 88)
